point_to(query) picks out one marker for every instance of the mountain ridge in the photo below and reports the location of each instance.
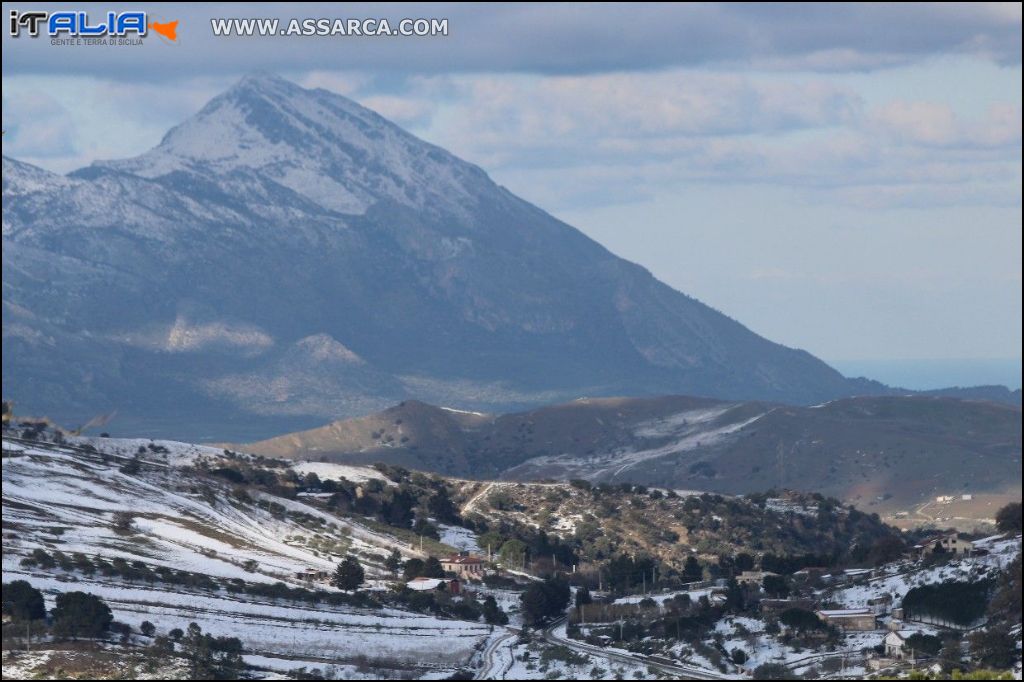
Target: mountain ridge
(896, 450)
(187, 282)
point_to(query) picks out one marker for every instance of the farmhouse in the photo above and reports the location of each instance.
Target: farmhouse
(880, 605)
(465, 566)
(896, 646)
(952, 543)
(773, 607)
(312, 575)
(753, 577)
(849, 620)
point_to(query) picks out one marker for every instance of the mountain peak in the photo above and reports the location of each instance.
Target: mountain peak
(321, 145)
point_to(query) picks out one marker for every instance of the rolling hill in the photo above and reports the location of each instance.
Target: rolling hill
(879, 452)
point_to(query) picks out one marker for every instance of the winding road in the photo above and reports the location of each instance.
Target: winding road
(496, 657)
(682, 672)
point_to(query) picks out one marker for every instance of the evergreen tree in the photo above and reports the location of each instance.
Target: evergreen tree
(413, 569)
(692, 571)
(432, 568)
(78, 614)
(23, 602)
(349, 575)
(442, 508)
(1008, 519)
(776, 586)
(493, 613)
(394, 561)
(544, 600)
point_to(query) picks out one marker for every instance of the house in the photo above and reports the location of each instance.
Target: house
(434, 584)
(465, 566)
(896, 646)
(952, 543)
(773, 607)
(717, 599)
(810, 573)
(880, 605)
(851, 575)
(753, 577)
(849, 620)
(312, 575)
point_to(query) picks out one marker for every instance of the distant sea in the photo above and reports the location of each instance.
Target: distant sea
(923, 375)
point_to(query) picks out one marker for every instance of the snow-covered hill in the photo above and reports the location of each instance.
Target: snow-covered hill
(71, 502)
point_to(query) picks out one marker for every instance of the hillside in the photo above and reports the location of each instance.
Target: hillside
(884, 453)
(288, 253)
(169, 533)
(200, 545)
(174, 533)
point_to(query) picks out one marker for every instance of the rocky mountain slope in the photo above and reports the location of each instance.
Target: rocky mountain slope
(881, 452)
(288, 253)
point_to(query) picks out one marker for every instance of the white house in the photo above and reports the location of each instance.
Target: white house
(896, 646)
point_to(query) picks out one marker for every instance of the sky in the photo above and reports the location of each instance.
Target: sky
(840, 178)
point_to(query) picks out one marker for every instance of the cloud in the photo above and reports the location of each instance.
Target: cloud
(935, 124)
(37, 123)
(571, 141)
(558, 38)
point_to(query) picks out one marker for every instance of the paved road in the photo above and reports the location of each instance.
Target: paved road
(496, 662)
(681, 672)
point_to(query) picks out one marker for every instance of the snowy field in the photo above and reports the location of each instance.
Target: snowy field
(61, 499)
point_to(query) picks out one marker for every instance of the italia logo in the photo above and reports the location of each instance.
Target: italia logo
(80, 24)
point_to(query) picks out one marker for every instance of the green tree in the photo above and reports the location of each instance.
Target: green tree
(801, 620)
(349, 574)
(544, 600)
(394, 561)
(744, 562)
(432, 568)
(1008, 519)
(994, 647)
(773, 671)
(692, 571)
(513, 554)
(23, 602)
(776, 586)
(442, 508)
(493, 613)
(211, 658)
(413, 569)
(79, 614)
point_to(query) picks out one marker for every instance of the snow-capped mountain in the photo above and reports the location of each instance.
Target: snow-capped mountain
(288, 252)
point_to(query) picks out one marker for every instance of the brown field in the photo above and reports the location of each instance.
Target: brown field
(977, 513)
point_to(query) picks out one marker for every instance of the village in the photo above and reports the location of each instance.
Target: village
(832, 622)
